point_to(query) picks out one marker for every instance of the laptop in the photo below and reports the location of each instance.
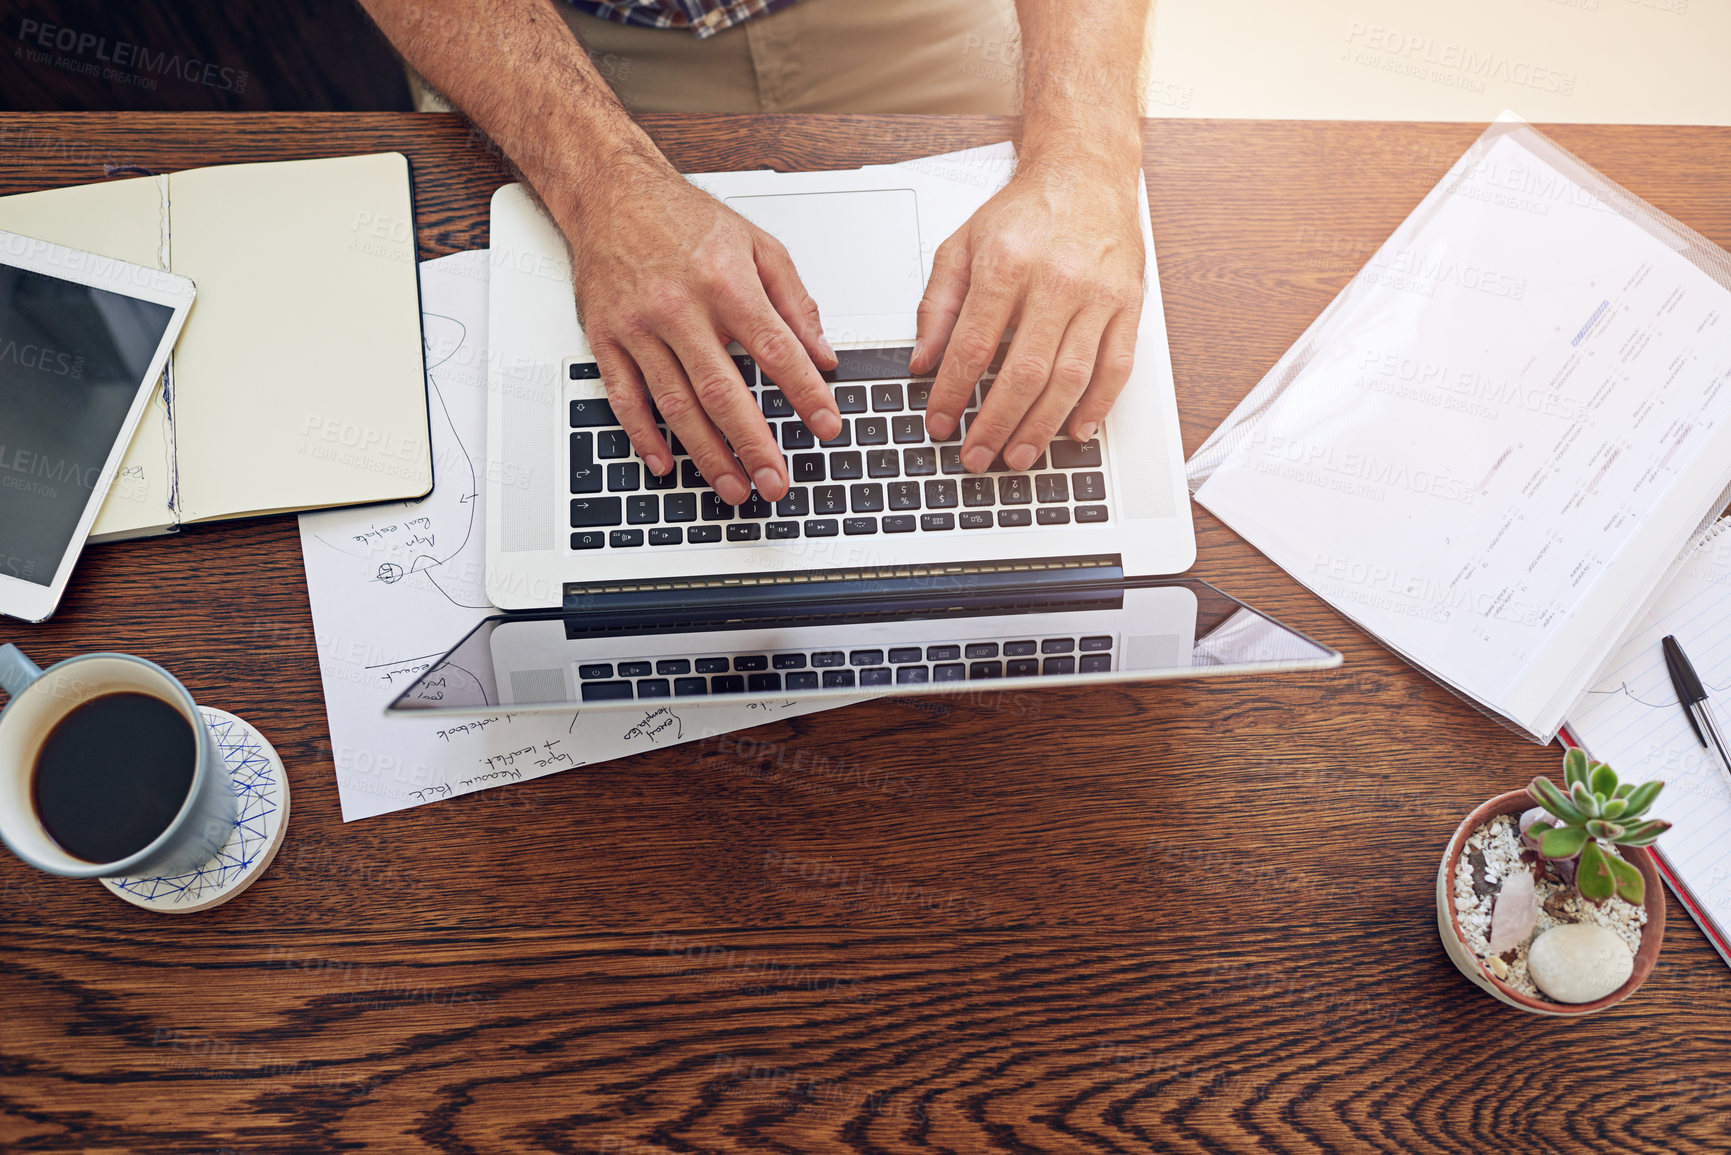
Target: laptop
(882, 531)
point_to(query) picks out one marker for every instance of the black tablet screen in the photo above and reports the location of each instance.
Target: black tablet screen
(71, 362)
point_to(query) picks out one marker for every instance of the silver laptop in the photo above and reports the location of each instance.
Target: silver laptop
(882, 535)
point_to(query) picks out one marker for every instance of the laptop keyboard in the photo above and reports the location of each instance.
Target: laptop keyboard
(881, 474)
(831, 669)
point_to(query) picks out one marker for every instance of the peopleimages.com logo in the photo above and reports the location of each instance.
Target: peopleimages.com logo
(116, 55)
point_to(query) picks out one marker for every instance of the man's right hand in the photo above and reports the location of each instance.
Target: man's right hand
(666, 275)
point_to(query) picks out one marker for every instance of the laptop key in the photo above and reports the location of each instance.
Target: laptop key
(744, 531)
(679, 507)
(1090, 513)
(1018, 649)
(883, 463)
(788, 661)
(644, 509)
(900, 523)
(797, 503)
(781, 530)
(937, 522)
(918, 393)
(668, 480)
(921, 462)
(714, 509)
(585, 371)
(585, 476)
(746, 663)
(668, 667)
(727, 684)
(712, 665)
(1022, 668)
(1058, 666)
(589, 512)
(1096, 664)
(902, 655)
(808, 467)
(837, 679)
(951, 458)
(904, 494)
(940, 494)
(823, 527)
(606, 691)
(1096, 642)
(950, 672)
(908, 430)
(865, 657)
(776, 404)
(703, 534)
(1076, 454)
(612, 443)
(912, 675)
(828, 499)
(794, 435)
(887, 398)
(1052, 487)
(1090, 486)
(985, 670)
(756, 508)
(977, 491)
(633, 669)
(623, 475)
(666, 535)
(592, 412)
(856, 526)
(653, 688)
(1052, 515)
(850, 399)
(982, 650)
(1014, 490)
(625, 538)
(849, 466)
(764, 683)
(747, 368)
(826, 658)
(841, 440)
(685, 687)
(871, 431)
(977, 519)
(689, 478)
(802, 680)
(867, 497)
(1015, 517)
(595, 670)
(878, 677)
(1058, 646)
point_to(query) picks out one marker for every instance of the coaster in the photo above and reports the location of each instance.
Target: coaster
(262, 793)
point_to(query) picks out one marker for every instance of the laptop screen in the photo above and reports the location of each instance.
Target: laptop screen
(1126, 630)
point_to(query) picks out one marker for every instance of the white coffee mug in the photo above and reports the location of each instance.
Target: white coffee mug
(39, 700)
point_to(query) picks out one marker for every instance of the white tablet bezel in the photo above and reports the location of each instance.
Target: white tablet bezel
(26, 599)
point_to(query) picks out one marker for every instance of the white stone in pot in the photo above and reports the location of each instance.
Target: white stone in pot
(1579, 962)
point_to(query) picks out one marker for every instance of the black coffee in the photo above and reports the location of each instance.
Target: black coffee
(112, 775)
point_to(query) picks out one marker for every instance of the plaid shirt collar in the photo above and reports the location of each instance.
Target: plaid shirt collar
(703, 17)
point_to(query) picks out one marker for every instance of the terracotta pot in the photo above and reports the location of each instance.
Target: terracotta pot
(1652, 935)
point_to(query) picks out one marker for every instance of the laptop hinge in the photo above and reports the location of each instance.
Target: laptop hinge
(968, 587)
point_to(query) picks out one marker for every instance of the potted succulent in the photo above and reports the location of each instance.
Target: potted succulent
(1549, 898)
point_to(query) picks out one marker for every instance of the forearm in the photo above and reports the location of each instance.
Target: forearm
(1082, 80)
(519, 73)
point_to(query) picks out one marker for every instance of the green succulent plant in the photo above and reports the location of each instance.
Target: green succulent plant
(1593, 811)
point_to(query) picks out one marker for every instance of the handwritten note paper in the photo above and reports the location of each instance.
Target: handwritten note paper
(394, 586)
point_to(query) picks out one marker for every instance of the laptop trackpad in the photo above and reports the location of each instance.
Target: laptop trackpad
(857, 252)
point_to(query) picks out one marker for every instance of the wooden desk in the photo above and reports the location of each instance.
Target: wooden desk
(1192, 917)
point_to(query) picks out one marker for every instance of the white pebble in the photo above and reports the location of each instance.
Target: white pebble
(1579, 962)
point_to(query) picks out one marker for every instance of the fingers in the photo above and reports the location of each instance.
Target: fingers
(1073, 366)
(784, 356)
(941, 304)
(994, 291)
(787, 294)
(1111, 371)
(677, 400)
(629, 398)
(718, 388)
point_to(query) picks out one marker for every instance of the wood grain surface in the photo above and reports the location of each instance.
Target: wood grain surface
(1185, 917)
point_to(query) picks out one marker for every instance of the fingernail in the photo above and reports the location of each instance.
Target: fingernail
(657, 464)
(1021, 456)
(1086, 432)
(768, 481)
(977, 459)
(826, 423)
(939, 427)
(916, 355)
(732, 489)
(828, 349)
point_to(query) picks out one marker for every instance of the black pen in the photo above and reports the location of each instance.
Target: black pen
(1692, 696)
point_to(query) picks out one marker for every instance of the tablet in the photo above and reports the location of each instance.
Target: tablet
(83, 340)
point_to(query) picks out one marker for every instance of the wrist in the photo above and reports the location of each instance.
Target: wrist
(1104, 147)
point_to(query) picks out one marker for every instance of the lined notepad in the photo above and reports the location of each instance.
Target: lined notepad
(1630, 719)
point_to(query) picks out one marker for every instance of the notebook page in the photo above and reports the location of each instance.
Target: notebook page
(1630, 719)
(120, 219)
(299, 381)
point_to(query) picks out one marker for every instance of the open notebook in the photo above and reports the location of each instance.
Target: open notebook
(1629, 718)
(299, 381)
